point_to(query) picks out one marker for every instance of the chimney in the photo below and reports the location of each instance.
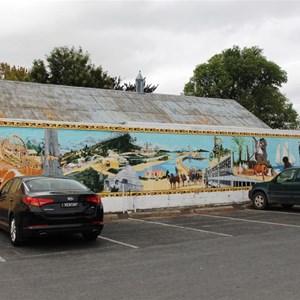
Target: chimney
(140, 83)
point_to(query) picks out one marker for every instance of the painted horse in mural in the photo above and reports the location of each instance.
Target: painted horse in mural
(174, 180)
(183, 178)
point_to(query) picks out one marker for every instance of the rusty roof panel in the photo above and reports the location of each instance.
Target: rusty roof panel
(32, 101)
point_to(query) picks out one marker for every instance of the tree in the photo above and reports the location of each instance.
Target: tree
(15, 73)
(68, 66)
(246, 76)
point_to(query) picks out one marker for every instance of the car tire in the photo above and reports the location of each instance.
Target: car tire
(287, 205)
(260, 201)
(91, 235)
(14, 232)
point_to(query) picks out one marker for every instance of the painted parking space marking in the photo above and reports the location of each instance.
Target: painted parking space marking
(2, 260)
(251, 221)
(117, 242)
(181, 227)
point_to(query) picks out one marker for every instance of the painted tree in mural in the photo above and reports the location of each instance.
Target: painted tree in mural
(246, 76)
(239, 143)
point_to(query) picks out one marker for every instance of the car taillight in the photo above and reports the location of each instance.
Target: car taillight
(33, 201)
(94, 199)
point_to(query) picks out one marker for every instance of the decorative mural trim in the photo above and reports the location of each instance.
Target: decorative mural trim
(33, 124)
(163, 192)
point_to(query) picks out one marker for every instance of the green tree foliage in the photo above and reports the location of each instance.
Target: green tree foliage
(14, 73)
(246, 76)
(69, 66)
(38, 72)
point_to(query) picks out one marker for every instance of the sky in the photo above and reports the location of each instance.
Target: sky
(165, 40)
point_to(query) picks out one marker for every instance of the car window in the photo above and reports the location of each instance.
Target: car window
(15, 186)
(54, 184)
(297, 177)
(286, 176)
(6, 187)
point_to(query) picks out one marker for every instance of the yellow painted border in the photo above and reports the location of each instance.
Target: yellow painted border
(174, 191)
(42, 124)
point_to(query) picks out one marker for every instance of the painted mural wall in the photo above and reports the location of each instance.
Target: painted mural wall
(122, 162)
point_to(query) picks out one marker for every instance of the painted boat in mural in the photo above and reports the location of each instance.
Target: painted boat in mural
(285, 151)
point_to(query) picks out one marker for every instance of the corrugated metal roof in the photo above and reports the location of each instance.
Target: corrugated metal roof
(43, 102)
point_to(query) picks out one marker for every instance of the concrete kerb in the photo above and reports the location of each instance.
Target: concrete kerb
(175, 211)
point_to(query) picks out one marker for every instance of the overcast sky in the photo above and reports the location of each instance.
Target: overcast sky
(163, 39)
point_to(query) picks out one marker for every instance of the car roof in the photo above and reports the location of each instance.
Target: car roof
(32, 177)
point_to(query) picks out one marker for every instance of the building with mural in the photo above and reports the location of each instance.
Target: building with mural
(137, 144)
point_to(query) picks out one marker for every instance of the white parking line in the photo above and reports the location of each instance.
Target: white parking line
(181, 227)
(251, 221)
(275, 212)
(117, 242)
(2, 259)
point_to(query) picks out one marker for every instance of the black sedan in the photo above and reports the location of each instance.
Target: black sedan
(32, 206)
(283, 189)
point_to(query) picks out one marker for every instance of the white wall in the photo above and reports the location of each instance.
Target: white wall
(133, 203)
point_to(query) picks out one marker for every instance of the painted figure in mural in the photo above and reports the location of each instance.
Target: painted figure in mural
(286, 162)
(261, 151)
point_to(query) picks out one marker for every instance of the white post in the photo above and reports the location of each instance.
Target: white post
(123, 198)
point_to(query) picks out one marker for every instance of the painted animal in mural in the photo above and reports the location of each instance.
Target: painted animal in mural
(195, 176)
(174, 180)
(262, 170)
(184, 178)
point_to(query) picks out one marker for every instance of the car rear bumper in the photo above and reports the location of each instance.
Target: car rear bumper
(44, 230)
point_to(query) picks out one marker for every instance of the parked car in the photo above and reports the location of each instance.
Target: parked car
(283, 189)
(32, 206)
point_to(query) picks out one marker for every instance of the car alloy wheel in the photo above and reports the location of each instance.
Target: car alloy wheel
(14, 232)
(260, 201)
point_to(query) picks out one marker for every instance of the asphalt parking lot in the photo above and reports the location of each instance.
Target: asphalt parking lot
(236, 253)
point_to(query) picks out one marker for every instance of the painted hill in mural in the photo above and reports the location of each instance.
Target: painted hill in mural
(120, 144)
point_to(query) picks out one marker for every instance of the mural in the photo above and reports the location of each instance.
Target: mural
(109, 161)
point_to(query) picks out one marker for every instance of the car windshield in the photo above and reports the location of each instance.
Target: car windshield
(286, 175)
(54, 184)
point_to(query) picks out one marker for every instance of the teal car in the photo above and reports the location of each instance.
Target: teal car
(283, 189)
